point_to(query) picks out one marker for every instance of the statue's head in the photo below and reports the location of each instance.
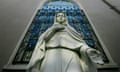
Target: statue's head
(60, 18)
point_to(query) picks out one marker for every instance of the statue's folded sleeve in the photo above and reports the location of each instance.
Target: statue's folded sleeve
(38, 53)
(86, 62)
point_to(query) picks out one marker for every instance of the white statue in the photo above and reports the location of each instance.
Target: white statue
(61, 49)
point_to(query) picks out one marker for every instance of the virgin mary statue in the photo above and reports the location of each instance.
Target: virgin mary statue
(62, 49)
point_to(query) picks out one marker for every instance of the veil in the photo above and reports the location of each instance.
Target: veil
(69, 28)
(66, 20)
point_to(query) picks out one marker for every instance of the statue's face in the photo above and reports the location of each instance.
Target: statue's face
(60, 17)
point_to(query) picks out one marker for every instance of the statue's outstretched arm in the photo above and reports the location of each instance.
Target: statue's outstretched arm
(85, 51)
(94, 55)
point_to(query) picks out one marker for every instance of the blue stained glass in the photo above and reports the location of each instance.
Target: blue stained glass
(68, 9)
(45, 19)
(42, 12)
(87, 34)
(76, 8)
(72, 24)
(84, 27)
(32, 41)
(77, 29)
(34, 35)
(79, 13)
(51, 19)
(45, 8)
(79, 17)
(90, 43)
(49, 25)
(45, 27)
(40, 19)
(36, 28)
(52, 8)
(70, 19)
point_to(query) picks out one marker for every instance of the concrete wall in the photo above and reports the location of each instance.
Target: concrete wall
(14, 17)
(16, 14)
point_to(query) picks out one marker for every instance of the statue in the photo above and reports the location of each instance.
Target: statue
(62, 49)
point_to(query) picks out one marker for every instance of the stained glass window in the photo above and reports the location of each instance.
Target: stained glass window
(45, 18)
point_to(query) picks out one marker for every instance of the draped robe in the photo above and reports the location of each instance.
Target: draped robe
(64, 51)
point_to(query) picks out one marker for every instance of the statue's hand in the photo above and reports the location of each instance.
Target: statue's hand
(95, 56)
(58, 27)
